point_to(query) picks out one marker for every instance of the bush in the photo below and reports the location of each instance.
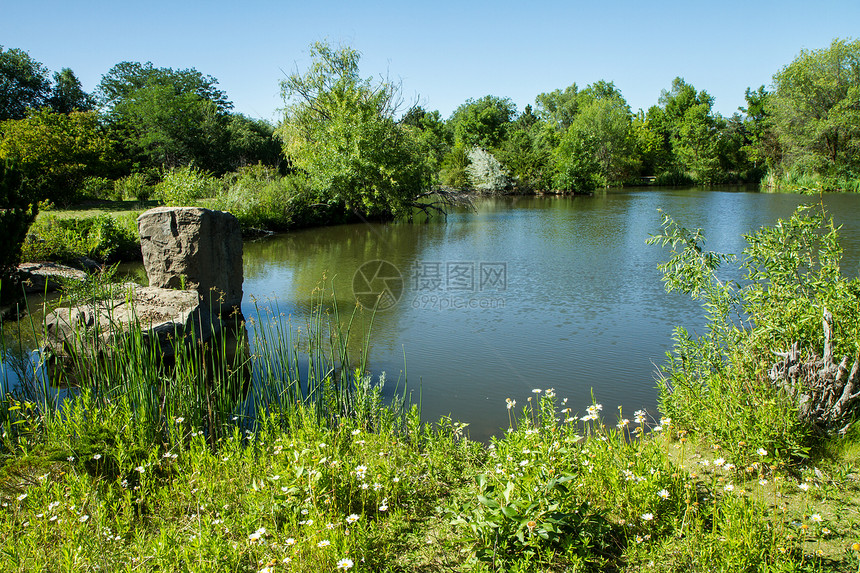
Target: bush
(718, 384)
(135, 186)
(261, 199)
(184, 186)
(103, 238)
(486, 173)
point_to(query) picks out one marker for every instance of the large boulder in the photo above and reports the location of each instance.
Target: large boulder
(162, 315)
(44, 277)
(194, 248)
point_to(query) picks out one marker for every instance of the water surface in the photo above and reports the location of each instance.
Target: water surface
(537, 292)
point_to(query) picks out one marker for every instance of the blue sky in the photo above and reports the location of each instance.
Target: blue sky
(443, 52)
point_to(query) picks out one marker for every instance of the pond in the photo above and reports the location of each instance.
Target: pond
(525, 293)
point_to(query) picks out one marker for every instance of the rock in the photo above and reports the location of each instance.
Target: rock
(45, 277)
(194, 248)
(162, 314)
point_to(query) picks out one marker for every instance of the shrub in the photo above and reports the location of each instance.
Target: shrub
(486, 173)
(717, 384)
(134, 186)
(261, 199)
(184, 186)
(104, 238)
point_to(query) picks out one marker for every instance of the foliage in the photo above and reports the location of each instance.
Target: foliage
(133, 186)
(815, 110)
(527, 154)
(559, 107)
(24, 84)
(484, 122)
(716, 384)
(17, 212)
(455, 167)
(339, 130)
(262, 199)
(183, 186)
(252, 141)
(604, 118)
(167, 118)
(68, 95)
(56, 152)
(486, 173)
(103, 238)
(575, 165)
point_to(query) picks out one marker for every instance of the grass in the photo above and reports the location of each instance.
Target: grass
(148, 468)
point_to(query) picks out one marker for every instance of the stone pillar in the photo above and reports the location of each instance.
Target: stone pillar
(195, 247)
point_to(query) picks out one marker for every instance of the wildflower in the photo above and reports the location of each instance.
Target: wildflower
(345, 564)
(729, 467)
(666, 422)
(816, 517)
(266, 570)
(22, 497)
(286, 560)
(384, 506)
(180, 419)
(360, 471)
(762, 482)
(536, 391)
(257, 535)
(531, 525)
(639, 539)
(729, 487)
(356, 432)
(855, 547)
(352, 518)
(663, 493)
(804, 486)
(377, 486)
(648, 516)
(84, 518)
(395, 479)
(719, 461)
(329, 526)
(323, 543)
(762, 452)
(97, 457)
(365, 485)
(70, 458)
(290, 541)
(622, 423)
(139, 469)
(639, 416)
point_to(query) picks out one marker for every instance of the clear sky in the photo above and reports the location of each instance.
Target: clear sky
(444, 52)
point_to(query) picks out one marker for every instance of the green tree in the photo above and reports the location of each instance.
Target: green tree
(604, 118)
(339, 129)
(575, 166)
(17, 212)
(558, 107)
(24, 84)
(252, 141)
(432, 133)
(67, 94)
(167, 118)
(695, 145)
(815, 108)
(484, 122)
(55, 152)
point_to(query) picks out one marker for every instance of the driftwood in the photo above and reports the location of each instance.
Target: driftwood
(827, 392)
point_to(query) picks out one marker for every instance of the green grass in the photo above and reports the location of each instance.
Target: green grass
(149, 468)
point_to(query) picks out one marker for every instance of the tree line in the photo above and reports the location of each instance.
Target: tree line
(356, 146)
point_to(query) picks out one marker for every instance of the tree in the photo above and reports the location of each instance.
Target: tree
(17, 211)
(339, 129)
(24, 84)
(558, 107)
(167, 118)
(55, 152)
(67, 94)
(604, 118)
(252, 141)
(815, 108)
(484, 122)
